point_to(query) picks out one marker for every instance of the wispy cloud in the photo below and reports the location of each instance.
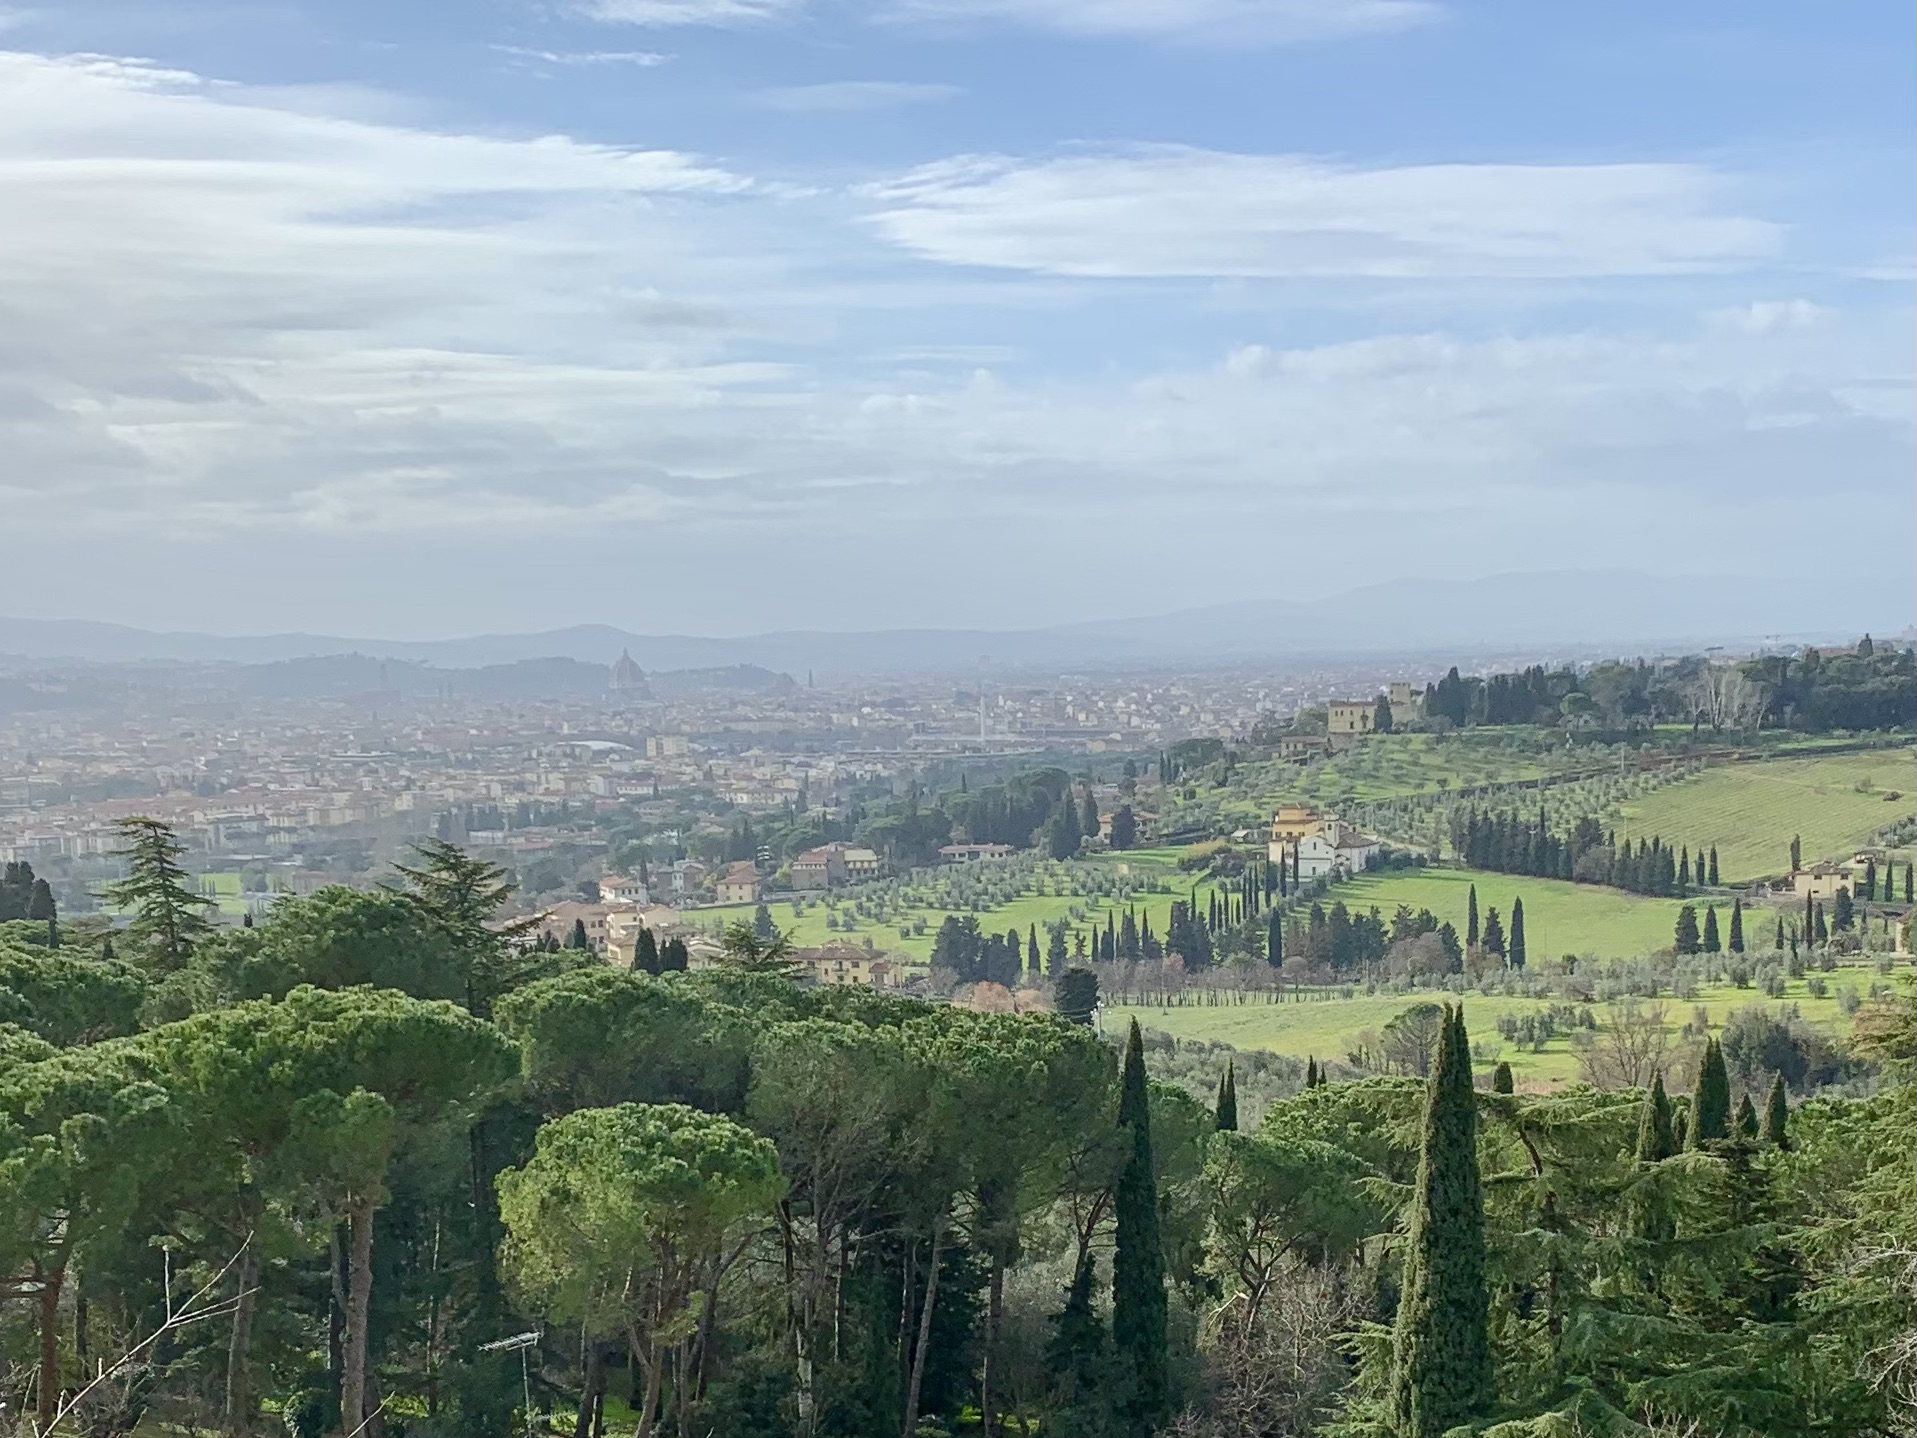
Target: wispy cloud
(644, 58)
(1171, 211)
(682, 12)
(853, 95)
(1201, 21)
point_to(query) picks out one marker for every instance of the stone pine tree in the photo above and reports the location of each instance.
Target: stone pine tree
(1516, 954)
(1138, 1255)
(1737, 926)
(1227, 1112)
(1710, 1099)
(1501, 1081)
(1777, 1112)
(1441, 1345)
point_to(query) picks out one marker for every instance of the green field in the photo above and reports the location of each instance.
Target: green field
(808, 930)
(1559, 917)
(1749, 811)
(1322, 1025)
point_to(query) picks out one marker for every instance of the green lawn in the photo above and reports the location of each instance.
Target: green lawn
(1322, 1024)
(1750, 811)
(1559, 918)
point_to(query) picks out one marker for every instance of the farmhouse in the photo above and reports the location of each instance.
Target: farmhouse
(1349, 716)
(739, 884)
(843, 965)
(971, 853)
(1820, 881)
(1337, 848)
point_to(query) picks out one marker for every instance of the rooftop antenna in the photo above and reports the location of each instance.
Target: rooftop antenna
(522, 1343)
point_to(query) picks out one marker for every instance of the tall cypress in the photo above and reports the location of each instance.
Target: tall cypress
(1746, 1118)
(1737, 926)
(1712, 944)
(1471, 918)
(1713, 866)
(1441, 1346)
(1274, 939)
(1227, 1114)
(1311, 1072)
(1516, 955)
(645, 952)
(1655, 1139)
(1777, 1112)
(1138, 1257)
(1710, 1098)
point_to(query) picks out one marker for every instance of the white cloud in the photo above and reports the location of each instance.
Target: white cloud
(228, 321)
(683, 12)
(853, 95)
(1173, 211)
(642, 58)
(1202, 21)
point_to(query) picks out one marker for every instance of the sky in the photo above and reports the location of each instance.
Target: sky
(415, 318)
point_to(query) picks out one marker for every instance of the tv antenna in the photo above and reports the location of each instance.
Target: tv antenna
(523, 1344)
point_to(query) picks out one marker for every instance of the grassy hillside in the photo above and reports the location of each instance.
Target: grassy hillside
(1559, 918)
(1750, 811)
(1323, 1025)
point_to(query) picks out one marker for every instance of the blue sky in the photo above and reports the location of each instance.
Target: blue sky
(721, 315)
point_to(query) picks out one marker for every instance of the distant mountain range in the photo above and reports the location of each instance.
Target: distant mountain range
(1618, 611)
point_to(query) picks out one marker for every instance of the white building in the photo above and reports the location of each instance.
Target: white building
(1337, 848)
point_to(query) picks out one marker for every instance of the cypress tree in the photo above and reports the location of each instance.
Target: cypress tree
(1274, 940)
(1842, 914)
(1909, 887)
(1737, 926)
(577, 938)
(1797, 854)
(1493, 942)
(1746, 1118)
(1034, 961)
(1822, 931)
(1471, 918)
(1712, 943)
(1777, 942)
(1138, 1257)
(1680, 1125)
(1227, 1114)
(1713, 866)
(1777, 1112)
(1311, 1072)
(1684, 940)
(1441, 1345)
(1501, 1079)
(1684, 871)
(1517, 934)
(1710, 1098)
(645, 952)
(1656, 1140)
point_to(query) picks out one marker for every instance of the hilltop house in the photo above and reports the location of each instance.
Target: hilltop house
(1336, 849)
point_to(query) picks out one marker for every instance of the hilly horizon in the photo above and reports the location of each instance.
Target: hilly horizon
(1572, 610)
